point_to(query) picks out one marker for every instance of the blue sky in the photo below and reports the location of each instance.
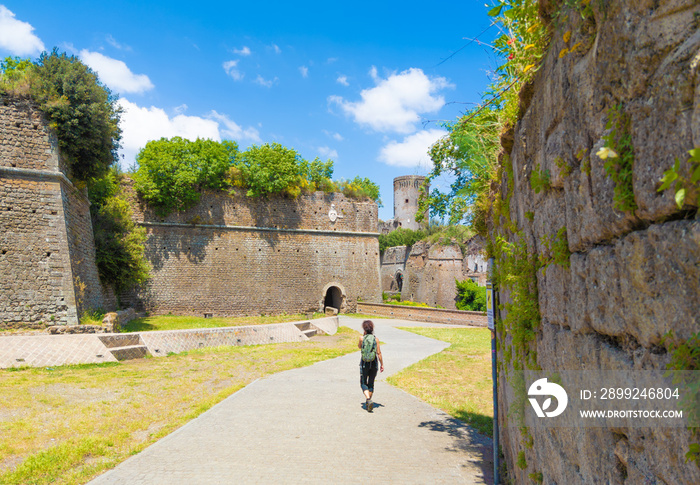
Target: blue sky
(362, 83)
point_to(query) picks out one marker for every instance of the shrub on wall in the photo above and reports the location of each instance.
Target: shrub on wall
(470, 296)
(173, 172)
(400, 237)
(272, 169)
(360, 188)
(119, 243)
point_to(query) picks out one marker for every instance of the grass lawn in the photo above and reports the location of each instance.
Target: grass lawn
(361, 315)
(68, 424)
(172, 322)
(458, 379)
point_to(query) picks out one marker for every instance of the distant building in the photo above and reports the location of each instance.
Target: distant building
(407, 190)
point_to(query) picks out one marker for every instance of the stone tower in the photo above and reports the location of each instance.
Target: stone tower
(47, 252)
(406, 194)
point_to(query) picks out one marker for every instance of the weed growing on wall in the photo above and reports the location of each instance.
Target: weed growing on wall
(516, 272)
(540, 180)
(564, 168)
(556, 249)
(618, 154)
(685, 356)
(682, 184)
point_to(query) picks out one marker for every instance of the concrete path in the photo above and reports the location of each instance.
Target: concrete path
(309, 426)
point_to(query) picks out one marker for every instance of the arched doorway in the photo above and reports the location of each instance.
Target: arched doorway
(399, 280)
(333, 298)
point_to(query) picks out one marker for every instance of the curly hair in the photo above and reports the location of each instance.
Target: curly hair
(368, 326)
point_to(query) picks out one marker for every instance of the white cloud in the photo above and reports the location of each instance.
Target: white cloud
(233, 130)
(373, 73)
(343, 79)
(412, 151)
(265, 82)
(335, 136)
(17, 36)
(115, 73)
(180, 109)
(395, 103)
(141, 125)
(276, 48)
(245, 51)
(328, 152)
(304, 71)
(114, 43)
(230, 68)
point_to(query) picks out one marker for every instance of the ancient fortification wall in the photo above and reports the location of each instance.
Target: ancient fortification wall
(426, 273)
(47, 253)
(431, 271)
(234, 255)
(393, 268)
(632, 275)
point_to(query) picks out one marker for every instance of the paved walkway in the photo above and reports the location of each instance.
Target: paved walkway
(309, 426)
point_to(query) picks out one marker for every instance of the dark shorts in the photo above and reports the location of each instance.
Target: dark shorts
(368, 371)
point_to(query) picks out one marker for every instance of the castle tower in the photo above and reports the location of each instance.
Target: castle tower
(47, 251)
(406, 194)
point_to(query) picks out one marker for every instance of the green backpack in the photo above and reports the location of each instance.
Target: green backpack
(369, 348)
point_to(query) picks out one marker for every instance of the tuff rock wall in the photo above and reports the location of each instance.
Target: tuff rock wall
(47, 254)
(632, 276)
(236, 255)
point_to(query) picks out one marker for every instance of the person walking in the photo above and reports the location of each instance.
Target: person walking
(370, 360)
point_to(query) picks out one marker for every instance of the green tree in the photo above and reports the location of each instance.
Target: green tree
(468, 154)
(173, 172)
(81, 109)
(470, 296)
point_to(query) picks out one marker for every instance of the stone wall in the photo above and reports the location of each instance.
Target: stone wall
(431, 271)
(428, 271)
(393, 268)
(422, 314)
(632, 276)
(233, 255)
(47, 253)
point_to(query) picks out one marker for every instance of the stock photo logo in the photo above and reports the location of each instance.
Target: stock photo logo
(543, 388)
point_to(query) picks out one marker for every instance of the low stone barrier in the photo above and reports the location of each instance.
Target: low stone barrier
(87, 348)
(423, 314)
(113, 321)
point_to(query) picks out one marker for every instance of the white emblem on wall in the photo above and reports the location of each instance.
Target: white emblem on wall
(333, 214)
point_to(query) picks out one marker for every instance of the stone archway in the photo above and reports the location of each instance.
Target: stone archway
(398, 278)
(333, 296)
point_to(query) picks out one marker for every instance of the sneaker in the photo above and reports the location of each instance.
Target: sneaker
(370, 405)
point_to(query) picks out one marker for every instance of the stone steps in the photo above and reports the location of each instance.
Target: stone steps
(308, 329)
(123, 340)
(129, 352)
